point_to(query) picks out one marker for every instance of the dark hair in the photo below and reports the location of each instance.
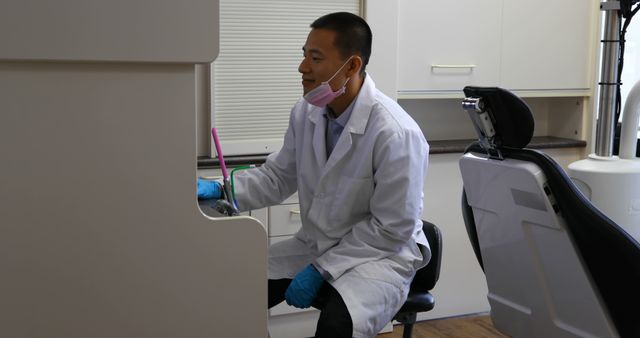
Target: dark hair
(353, 35)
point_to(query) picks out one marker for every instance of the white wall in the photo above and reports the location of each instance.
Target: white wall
(382, 16)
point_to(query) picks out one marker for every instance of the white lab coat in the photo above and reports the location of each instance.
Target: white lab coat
(361, 208)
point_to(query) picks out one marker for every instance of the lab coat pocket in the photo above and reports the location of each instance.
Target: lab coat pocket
(352, 200)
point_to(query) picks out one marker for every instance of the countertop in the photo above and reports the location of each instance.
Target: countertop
(436, 147)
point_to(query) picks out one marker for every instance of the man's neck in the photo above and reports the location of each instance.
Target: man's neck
(340, 103)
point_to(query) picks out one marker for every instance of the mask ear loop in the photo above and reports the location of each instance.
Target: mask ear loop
(343, 88)
(338, 71)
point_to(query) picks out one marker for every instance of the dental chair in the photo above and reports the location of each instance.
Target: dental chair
(555, 265)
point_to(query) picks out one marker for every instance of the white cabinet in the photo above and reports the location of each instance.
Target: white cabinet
(536, 48)
(548, 44)
(445, 45)
(284, 219)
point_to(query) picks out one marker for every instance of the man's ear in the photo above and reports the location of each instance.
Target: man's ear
(354, 65)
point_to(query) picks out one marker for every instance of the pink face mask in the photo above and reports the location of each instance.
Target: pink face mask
(323, 94)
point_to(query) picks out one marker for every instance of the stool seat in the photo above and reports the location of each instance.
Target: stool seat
(418, 302)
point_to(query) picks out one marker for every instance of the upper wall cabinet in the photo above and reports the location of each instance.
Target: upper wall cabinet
(548, 44)
(445, 45)
(536, 48)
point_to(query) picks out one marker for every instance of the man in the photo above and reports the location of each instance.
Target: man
(357, 161)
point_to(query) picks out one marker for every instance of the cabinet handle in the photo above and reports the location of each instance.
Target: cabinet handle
(470, 66)
(294, 212)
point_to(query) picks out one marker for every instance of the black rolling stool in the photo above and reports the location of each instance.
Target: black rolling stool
(420, 299)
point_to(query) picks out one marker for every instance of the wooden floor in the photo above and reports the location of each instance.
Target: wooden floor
(458, 327)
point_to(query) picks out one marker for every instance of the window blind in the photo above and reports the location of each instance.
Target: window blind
(255, 79)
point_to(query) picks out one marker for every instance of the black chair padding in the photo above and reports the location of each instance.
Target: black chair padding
(470, 224)
(426, 278)
(419, 298)
(511, 117)
(610, 254)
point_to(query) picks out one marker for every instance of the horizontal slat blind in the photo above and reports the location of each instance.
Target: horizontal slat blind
(255, 78)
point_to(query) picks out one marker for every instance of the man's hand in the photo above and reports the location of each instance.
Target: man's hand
(209, 189)
(304, 288)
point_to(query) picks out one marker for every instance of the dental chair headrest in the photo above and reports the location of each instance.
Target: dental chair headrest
(510, 116)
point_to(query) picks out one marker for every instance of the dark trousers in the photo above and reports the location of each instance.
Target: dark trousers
(335, 320)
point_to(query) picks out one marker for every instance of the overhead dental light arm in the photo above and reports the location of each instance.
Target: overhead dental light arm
(625, 7)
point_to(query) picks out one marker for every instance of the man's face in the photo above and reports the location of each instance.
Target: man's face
(321, 60)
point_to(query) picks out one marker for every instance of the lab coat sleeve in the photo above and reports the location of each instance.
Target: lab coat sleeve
(272, 182)
(400, 165)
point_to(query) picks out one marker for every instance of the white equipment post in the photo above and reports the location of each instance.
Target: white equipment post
(612, 183)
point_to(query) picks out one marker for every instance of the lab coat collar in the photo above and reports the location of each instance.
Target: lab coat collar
(363, 106)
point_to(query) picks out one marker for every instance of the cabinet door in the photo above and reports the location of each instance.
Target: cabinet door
(284, 220)
(549, 44)
(446, 45)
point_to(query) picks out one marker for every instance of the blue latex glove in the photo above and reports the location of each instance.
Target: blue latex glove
(304, 288)
(209, 189)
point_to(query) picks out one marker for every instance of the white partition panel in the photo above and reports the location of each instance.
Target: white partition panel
(100, 231)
